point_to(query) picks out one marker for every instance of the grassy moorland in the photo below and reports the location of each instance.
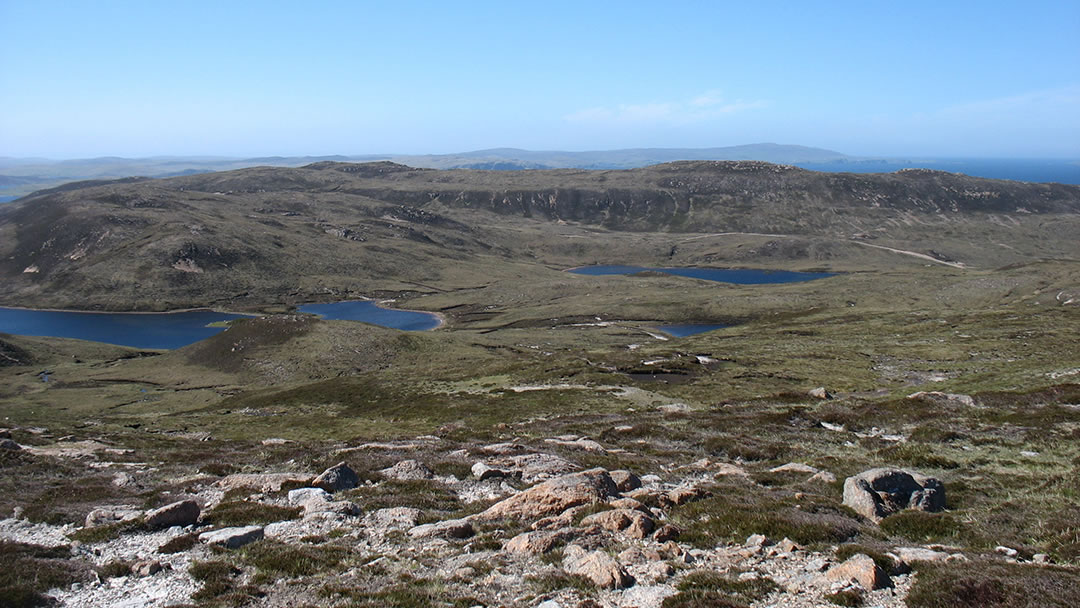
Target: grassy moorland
(986, 321)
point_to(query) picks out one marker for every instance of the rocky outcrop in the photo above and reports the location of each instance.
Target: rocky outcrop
(878, 493)
(554, 496)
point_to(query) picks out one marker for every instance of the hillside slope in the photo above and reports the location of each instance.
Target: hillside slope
(266, 236)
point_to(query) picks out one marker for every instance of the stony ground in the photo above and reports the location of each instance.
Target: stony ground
(534, 528)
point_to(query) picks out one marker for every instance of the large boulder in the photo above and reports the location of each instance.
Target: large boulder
(597, 566)
(634, 523)
(336, 478)
(554, 496)
(232, 538)
(878, 493)
(182, 513)
(859, 569)
(536, 542)
(451, 528)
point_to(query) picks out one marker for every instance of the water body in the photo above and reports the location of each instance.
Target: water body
(369, 312)
(681, 330)
(139, 330)
(739, 276)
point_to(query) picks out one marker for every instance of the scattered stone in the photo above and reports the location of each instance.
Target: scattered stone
(146, 567)
(625, 480)
(301, 496)
(918, 554)
(674, 408)
(787, 546)
(451, 528)
(967, 400)
(395, 517)
(862, 570)
(666, 532)
(554, 496)
(1041, 558)
(1006, 551)
(820, 393)
(232, 538)
(584, 443)
(536, 467)
(683, 495)
(757, 540)
(823, 477)
(182, 513)
(336, 478)
(658, 572)
(263, 482)
(634, 523)
(794, 467)
(483, 472)
(407, 470)
(878, 493)
(645, 596)
(597, 566)
(536, 543)
(276, 441)
(106, 516)
(629, 503)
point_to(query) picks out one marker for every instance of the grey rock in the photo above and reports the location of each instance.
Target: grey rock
(146, 567)
(451, 528)
(8, 444)
(820, 393)
(181, 513)
(483, 472)
(919, 554)
(408, 470)
(395, 517)
(878, 493)
(111, 515)
(303, 496)
(336, 478)
(232, 538)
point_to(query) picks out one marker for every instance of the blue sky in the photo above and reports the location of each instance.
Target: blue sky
(238, 78)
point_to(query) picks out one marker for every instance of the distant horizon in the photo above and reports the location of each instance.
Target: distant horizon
(844, 154)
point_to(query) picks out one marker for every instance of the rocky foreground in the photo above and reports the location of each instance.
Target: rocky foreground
(536, 529)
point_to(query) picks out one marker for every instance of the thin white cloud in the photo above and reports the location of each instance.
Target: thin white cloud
(1061, 103)
(701, 108)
